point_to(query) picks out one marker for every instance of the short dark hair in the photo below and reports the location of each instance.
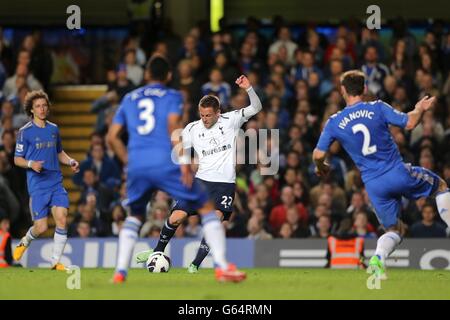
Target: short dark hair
(159, 68)
(353, 82)
(210, 101)
(29, 100)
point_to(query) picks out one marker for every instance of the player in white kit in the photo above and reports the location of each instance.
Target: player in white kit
(213, 138)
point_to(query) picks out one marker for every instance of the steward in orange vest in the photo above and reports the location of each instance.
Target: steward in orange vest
(5, 243)
(345, 252)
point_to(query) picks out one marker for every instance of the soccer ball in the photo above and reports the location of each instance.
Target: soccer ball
(158, 262)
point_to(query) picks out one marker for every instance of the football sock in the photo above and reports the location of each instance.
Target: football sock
(29, 237)
(443, 205)
(127, 238)
(201, 253)
(166, 234)
(215, 237)
(386, 244)
(59, 239)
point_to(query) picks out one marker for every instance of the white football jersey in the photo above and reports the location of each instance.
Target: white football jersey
(216, 146)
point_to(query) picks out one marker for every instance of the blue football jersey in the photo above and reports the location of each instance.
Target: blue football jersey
(363, 131)
(144, 112)
(40, 144)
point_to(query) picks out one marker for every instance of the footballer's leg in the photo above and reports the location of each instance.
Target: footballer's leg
(213, 230)
(59, 203)
(387, 210)
(386, 244)
(39, 212)
(214, 234)
(170, 226)
(60, 237)
(139, 191)
(203, 251)
(176, 218)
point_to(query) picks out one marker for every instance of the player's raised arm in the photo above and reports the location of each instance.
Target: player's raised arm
(414, 116)
(255, 104)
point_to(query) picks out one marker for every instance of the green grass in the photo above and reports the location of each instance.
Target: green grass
(17, 283)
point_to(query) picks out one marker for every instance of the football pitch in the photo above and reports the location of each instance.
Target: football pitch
(262, 283)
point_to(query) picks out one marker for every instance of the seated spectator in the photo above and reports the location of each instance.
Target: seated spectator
(193, 228)
(119, 81)
(104, 193)
(284, 40)
(156, 218)
(108, 171)
(361, 226)
(83, 229)
(322, 229)
(185, 80)
(357, 204)
(110, 100)
(229, 72)
(374, 71)
(134, 71)
(87, 213)
(153, 232)
(13, 83)
(337, 194)
(428, 227)
(285, 231)
(118, 217)
(298, 231)
(256, 231)
(279, 213)
(217, 87)
(9, 203)
(18, 120)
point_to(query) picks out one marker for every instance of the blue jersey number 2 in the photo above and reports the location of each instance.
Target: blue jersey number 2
(367, 149)
(146, 114)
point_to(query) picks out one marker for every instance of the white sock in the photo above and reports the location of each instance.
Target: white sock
(28, 237)
(386, 244)
(443, 205)
(215, 238)
(59, 239)
(127, 238)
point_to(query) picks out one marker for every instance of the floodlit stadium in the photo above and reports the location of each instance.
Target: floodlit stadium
(217, 150)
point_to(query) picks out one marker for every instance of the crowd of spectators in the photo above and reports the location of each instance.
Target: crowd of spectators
(297, 79)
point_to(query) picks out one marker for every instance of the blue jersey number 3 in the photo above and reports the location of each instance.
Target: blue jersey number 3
(146, 114)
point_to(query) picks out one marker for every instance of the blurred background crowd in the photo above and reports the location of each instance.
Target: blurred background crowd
(295, 70)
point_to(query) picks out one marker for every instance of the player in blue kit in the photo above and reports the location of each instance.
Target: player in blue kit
(362, 128)
(150, 114)
(39, 150)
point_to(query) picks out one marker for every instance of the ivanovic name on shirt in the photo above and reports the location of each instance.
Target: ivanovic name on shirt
(356, 115)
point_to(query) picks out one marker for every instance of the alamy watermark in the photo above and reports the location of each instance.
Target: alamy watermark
(74, 20)
(73, 281)
(374, 280)
(374, 20)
